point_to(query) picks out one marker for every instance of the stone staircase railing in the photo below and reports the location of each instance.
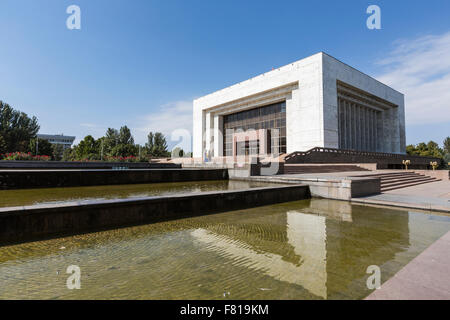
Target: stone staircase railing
(318, 155)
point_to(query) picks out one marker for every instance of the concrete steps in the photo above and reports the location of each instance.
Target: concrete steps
(399, 180)
(383, 189)
(406, 183)
(305, 169)
(390, 175)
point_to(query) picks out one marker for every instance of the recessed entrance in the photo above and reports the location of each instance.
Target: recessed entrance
(247, 148)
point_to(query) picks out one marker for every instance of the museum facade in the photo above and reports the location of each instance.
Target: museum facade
(315, 102)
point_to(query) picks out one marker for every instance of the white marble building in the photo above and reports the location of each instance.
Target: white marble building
(315, 102)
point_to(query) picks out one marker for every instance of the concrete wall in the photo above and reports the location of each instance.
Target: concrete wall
(23, 179)
(43, 221)
(344, 188)
(255, 169)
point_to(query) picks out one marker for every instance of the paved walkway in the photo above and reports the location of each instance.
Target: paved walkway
(433, 196)
(426, 277)
(430, 196)
(439, 189)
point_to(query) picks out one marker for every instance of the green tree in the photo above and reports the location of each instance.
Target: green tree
(430, 149)
(157, 145)
(124, 150)
(433, 150)
(69, 155)
(446, 160)
(142, 153)
(102, 150)
(119, 143)
(150, 144)
(111, 140)
(160, 146)
(16, 128)
(125, 136)
(411, 149)
(2, 145)
(88, 148)
(447, 145)
(58, 151)
(43, 148)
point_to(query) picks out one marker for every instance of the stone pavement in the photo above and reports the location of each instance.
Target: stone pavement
(430, 196)
(440, 189)
(426, 277)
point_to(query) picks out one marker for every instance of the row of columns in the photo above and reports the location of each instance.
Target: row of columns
(213, 135)
(360, 127)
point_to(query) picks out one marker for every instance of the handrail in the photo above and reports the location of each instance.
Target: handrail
(354, 152)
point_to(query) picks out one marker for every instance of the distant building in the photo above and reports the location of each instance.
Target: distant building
(65, 141)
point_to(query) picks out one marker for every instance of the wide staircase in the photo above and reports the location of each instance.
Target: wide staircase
(399, 180)
(331, 155)
(323, 168)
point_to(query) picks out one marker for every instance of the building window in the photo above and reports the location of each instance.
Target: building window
(271, 117)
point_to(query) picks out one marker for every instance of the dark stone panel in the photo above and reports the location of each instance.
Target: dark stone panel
(49, 165)
(24, 179)
(383, 160)
(46, 221)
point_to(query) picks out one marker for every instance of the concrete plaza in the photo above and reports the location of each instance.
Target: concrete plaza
(424, 278)
(433, 196)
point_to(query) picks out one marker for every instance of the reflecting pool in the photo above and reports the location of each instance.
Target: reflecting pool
(13, 198)
(310, 249)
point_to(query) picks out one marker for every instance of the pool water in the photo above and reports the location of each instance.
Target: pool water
(309, 249)
(25, 197)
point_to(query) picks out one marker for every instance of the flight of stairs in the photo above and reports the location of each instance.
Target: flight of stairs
(399, 180)
(305, 169)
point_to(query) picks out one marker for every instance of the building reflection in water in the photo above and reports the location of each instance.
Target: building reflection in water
(325, 248)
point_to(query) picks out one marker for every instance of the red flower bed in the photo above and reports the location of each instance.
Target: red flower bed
(22, 156)
(122, 159)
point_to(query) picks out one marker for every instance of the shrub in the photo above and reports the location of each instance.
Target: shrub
(122, 159)
(22, 156)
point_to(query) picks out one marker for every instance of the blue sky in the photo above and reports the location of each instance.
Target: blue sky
(141, 63)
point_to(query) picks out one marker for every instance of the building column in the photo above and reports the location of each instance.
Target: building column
(374, 134)
(367, 130)
(375, 127)
(349, 125)
(363, 129)
(209, 127)
(395, 126)
(339, 123)
(342, 139)
(352, 126)
(380, 132)
(218, 136)
(386, 131)
(358, 127)
(371, 129)
(369, 136)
